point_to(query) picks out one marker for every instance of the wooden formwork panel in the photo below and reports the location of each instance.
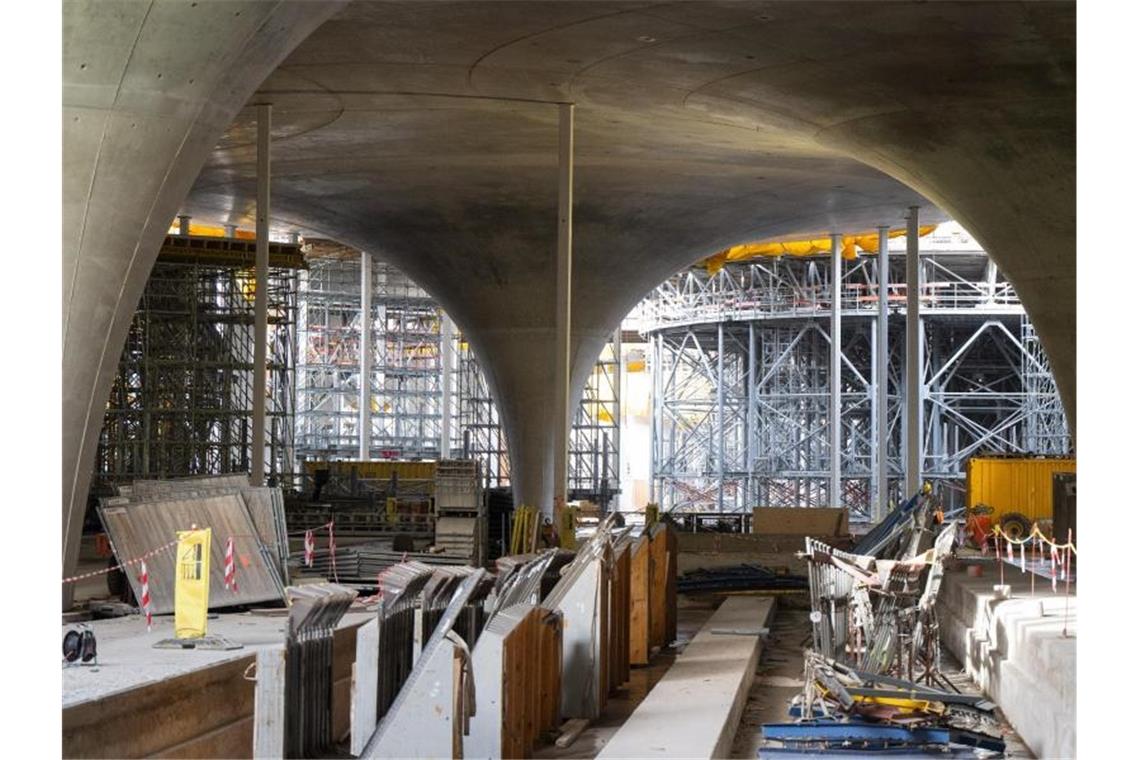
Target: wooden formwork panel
(640, 609)
(204, 713)
(619, 618)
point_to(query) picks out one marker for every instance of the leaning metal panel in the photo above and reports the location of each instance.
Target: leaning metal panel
(740, 362)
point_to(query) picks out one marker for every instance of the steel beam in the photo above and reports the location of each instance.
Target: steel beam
(913, 357)
(261, 297)
(835, 419)
(447, 369)
(720, 415)
(364, 405)
(881, 377)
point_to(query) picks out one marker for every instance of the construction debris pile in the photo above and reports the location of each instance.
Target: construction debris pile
(872, 680)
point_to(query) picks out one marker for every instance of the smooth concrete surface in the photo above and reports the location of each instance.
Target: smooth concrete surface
(1016, 650)
(427, 134)
(128, 661)
(694, 710)
(147, 90)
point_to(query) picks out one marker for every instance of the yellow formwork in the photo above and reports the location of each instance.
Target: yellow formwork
(1010, 484)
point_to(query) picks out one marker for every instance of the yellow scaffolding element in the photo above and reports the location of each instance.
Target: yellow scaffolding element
(868, 242)
(524, 530)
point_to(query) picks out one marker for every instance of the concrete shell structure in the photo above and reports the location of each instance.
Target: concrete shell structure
(426, 133)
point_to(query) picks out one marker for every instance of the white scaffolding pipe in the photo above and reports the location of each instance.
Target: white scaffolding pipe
(562, 315)
(261, 298)
(364, 405)
(913, 358)
(447, 358)
(835, 419)
(751, 418)
(881, 378)
(720, 415)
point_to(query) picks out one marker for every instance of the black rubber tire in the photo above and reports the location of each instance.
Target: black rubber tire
(1016, 525)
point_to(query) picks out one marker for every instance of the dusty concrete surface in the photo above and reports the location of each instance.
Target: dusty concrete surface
(694, 710)
(692, 612)
(426, 133)
(127, 659)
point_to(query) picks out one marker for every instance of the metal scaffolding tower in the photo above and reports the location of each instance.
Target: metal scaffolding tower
(181, 400)
(407, 380)
(741, 379)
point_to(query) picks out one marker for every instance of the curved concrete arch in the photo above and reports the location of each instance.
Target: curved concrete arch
(147, 89)
(426, 133)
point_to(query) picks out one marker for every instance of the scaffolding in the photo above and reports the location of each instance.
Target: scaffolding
(181, 400)
(741, 379)
(408, 378)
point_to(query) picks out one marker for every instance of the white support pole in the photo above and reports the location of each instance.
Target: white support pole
(720, 415)
(562, 316)
(261, 298)
(835, 418)
(751, 498)
(364, 404)
(913, 358)
(881, 378)
(447, 367)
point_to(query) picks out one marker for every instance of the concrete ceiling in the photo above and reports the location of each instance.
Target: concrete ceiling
(426, 132)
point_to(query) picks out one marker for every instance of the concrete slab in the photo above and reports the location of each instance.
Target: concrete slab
(694, 710)
(1021, 651)
(128, 661)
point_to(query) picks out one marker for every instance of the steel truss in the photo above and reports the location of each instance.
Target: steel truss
(181, 400)
(407, 382)
(740, 363)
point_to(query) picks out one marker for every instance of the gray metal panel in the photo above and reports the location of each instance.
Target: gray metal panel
(138, 527)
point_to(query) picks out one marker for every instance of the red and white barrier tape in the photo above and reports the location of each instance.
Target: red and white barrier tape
(144, 581)
(121, 565)
(231, 571)
(310, 548)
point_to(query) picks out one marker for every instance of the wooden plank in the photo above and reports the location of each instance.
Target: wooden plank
(365, 679)
(800, 521)
(269, 704)
(344, 654)
(639, 613)
(151, 719)
(658, 587)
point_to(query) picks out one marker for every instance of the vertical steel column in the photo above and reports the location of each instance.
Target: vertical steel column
(261, 297)
(364, 405)
(913, 358)
(618, 367)
(836, 419)
(655, 443)
(446, 338)
(562, 316)
(751, 421)
(882, 377)
(720, 415)
(183, 224)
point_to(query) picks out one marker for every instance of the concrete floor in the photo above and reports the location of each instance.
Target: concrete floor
(692, 612)
(127, 659)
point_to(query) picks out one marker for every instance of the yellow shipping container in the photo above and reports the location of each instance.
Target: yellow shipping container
(1011, 484)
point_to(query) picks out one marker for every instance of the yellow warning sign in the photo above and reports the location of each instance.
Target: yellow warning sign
(192, 583)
